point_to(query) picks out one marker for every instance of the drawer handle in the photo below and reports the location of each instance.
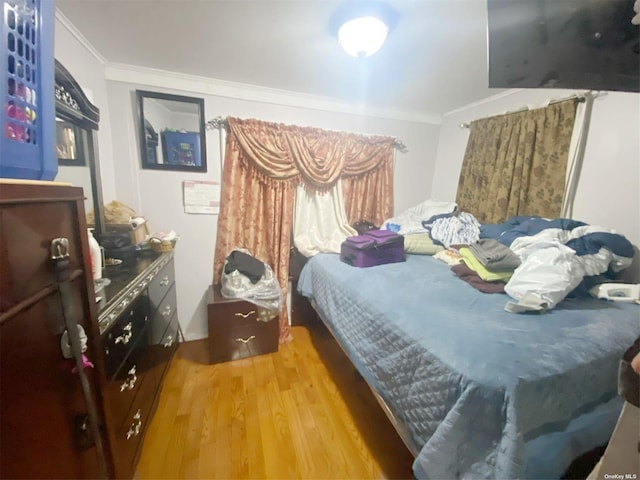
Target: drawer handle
(245, 340)
(245, 315)
(124, 339)
(167, 311)
(134, 429)
(169, 342)
(129, 383)
(165, 281)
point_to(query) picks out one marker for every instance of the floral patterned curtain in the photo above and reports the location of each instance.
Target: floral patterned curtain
(515, 164)
(361, 204)
(264, 162)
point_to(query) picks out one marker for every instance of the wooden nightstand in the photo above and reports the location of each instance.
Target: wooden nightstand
(237, 328)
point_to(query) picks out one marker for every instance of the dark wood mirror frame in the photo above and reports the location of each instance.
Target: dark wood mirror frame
(182, 149)
(73, 107)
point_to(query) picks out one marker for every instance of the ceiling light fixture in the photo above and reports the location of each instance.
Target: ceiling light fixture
(363, 36)
(362, 27)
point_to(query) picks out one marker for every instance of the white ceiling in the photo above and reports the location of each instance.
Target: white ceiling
(434, 60)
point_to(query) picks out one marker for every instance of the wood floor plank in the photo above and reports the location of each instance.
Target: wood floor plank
(301, 412)
(279, 414)
(270, 450)
(321, 459)
(222, 455)
(196, 424)
(299, 442)
(239, 457)
(253, 447)
(171, 466)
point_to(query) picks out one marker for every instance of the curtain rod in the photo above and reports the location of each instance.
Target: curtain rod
(216, 123)
(581, 98)
(219, 122)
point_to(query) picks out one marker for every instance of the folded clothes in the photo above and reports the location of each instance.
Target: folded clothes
(494, 256)
(472, 262)
(463, 272)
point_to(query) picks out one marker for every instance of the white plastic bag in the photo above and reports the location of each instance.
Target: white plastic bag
(265, 293)
(545, 277)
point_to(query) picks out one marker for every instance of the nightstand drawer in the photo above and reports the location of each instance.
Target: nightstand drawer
(237, 329)
(249, 340)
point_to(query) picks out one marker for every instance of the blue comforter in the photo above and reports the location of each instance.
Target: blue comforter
(484, 393)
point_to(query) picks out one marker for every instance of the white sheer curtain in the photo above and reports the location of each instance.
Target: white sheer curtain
(319, 221)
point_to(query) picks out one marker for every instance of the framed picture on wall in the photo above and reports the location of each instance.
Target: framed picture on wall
(69, 144)
(181, 149)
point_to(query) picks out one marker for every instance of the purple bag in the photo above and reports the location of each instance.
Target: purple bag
(375, 247)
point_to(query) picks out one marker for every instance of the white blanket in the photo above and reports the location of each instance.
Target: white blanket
(550, 270)
(410, 221)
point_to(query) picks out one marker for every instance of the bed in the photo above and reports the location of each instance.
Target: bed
(475, 391)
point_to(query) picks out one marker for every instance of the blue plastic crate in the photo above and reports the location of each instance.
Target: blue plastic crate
(27, 135)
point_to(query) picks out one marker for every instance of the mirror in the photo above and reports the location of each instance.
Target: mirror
(76, 137)
(172, 132)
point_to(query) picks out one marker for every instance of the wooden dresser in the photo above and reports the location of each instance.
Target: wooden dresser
(131, 337)
(139, 328)
(43, 411)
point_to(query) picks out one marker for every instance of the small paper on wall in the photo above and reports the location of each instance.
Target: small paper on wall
(201, 197)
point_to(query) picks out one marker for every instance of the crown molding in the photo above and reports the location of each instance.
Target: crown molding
(486, 100)
(207, 86)
(66, 23)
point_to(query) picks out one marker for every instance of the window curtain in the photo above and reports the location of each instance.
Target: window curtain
(360, 204)
(515, 164)
(319, 221)
(264, 162)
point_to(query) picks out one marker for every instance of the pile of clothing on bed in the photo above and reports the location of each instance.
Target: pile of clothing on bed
(536, 261)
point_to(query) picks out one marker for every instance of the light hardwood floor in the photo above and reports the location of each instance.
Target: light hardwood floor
(302, 412)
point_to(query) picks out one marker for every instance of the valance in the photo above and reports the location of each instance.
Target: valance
(308, 155)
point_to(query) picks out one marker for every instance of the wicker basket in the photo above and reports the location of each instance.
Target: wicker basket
(161, 247)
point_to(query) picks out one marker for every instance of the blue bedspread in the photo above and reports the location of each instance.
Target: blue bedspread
(484, 393)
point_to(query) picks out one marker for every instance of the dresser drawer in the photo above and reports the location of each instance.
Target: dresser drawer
(164, 350)
(161, 284)
(129, 434)
(126, 383)
(124, 333)
(165, 312)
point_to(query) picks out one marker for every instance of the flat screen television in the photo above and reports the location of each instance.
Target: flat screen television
(575, 44)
